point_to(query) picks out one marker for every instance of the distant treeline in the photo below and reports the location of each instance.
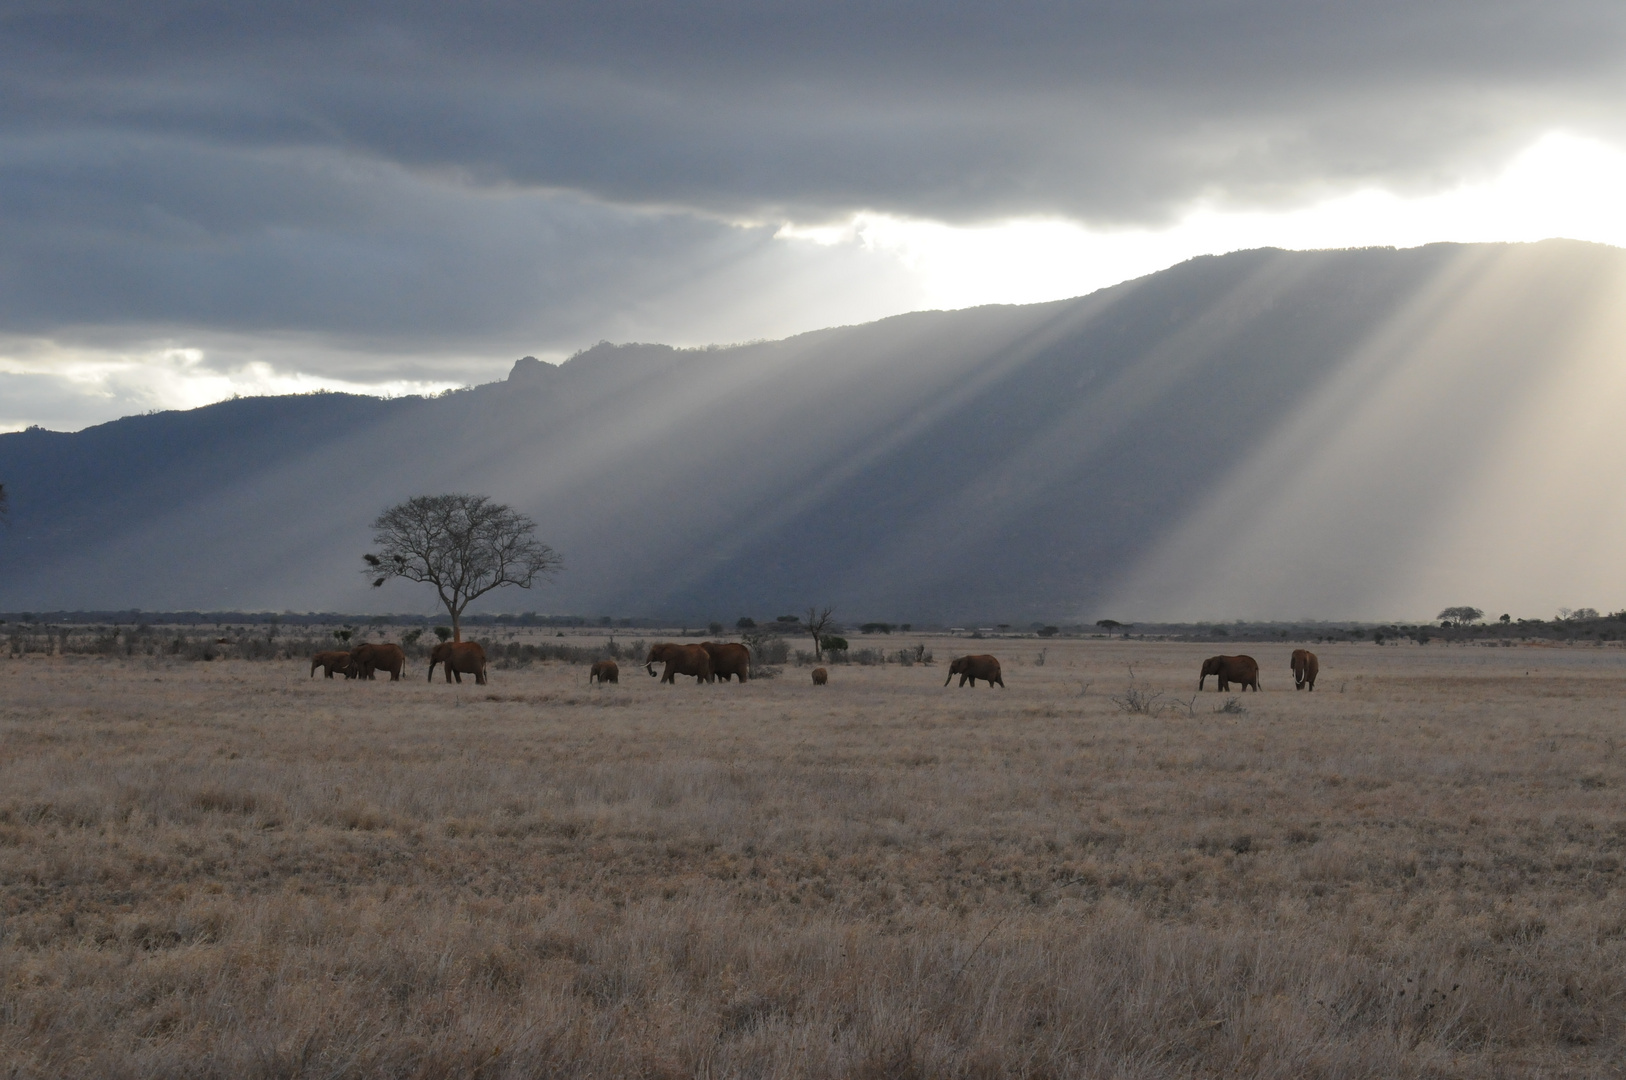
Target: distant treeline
(1594, 627)
(1584, 625)
(136, 616)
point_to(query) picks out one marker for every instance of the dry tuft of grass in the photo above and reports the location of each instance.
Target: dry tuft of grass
(232, 870)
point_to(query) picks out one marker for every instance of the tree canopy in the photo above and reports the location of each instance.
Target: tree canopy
(1460, 616)
(463, 545)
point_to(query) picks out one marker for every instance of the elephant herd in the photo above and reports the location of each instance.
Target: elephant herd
(456, 658)
(1244, 670)
(711, 661)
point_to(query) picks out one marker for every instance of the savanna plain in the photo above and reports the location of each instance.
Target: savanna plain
(230, 869)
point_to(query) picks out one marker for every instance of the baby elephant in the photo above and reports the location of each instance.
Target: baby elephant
(820, 676)
(331, 662)
(604, 671)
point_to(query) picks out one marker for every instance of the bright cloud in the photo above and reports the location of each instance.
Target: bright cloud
(1562, 186)
(64, 387)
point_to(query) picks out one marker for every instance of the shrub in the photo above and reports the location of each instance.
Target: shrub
(766, 648)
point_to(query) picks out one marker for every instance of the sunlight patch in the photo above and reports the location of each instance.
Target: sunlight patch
(1561, 186)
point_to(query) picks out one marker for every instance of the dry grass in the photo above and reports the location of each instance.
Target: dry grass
(230, 869)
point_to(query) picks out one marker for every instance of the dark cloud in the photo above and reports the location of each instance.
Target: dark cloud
(1106, 111)
(161, 231)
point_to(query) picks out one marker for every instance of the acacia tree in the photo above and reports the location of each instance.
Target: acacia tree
(1461, 616)
(463, 545)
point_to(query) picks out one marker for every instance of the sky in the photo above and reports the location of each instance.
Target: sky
(199, 200)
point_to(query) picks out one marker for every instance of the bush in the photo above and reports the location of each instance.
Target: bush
(766, 648)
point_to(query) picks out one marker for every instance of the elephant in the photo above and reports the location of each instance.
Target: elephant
(1229, 669)
(383, 656)
(974, 668)
(820, 676)
(1305, 668)
(728, 659)
(461, 658)
(604, 671)
(331, 662)
(680, 660)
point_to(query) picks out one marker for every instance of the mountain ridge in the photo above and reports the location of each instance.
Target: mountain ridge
(1002, 463)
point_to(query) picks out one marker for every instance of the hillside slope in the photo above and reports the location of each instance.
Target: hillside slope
(1114, 454)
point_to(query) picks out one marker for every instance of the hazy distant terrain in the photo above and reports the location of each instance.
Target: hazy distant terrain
(1262, 434)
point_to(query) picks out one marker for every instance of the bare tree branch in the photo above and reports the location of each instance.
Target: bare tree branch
(816, 622)
(463, 545)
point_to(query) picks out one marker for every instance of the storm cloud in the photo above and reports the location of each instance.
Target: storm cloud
(467, 183)
(1102, 111)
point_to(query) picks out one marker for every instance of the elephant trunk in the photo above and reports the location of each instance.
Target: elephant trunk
(950, 677)
(650, 667)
